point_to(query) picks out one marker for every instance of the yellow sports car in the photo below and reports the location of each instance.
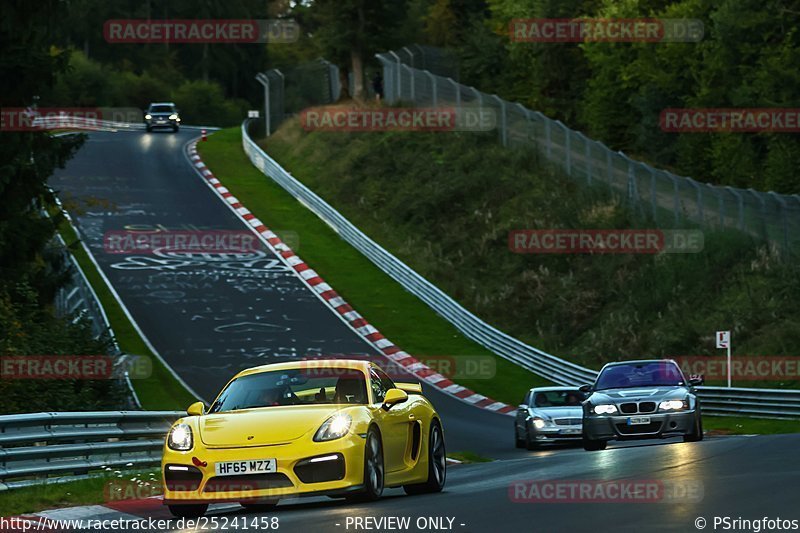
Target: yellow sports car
(332, 427)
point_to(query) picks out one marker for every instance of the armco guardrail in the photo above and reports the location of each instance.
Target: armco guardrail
(40, 447)
(716, 400)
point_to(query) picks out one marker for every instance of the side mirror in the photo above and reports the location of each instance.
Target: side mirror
(196, 409)
(586, 389)
(697, 379)
(394, 396)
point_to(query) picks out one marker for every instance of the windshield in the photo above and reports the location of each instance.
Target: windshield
(557, 398)
(656, 373)
(161, 109)
(293, 387)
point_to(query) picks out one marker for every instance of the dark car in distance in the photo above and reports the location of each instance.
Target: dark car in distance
(162, 115)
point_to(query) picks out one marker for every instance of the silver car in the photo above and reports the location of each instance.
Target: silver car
(649, 399)
(549, 414)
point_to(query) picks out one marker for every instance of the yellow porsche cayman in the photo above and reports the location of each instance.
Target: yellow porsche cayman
(333, 427)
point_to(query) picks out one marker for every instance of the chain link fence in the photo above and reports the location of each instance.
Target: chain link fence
(671, 201)
(289, 91)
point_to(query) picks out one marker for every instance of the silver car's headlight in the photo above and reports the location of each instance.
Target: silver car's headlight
(539, 423)
(148, 116)
(604, 409)
(333, 428)
(673, 405)
(173, 116)
(180, 438)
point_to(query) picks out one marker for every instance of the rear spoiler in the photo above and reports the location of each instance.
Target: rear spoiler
(412, 388)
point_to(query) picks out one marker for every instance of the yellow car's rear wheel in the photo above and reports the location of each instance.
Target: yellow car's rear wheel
(437, 463)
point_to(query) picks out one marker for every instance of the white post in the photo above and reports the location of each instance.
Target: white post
(729, 365)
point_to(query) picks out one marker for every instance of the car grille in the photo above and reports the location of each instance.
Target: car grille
(274, 480)
(642, 407)
(568, 421)
(640, 429)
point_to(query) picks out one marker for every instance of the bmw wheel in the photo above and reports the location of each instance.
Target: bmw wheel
(591, 445)
(437, 464)
(697, 433)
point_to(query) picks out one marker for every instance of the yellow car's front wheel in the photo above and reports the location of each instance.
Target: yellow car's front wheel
(374, 472)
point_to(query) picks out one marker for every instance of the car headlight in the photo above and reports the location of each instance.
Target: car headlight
(539, 423)
(604, 409)
(673, 405)
(180, 438)
(148, 116)
(333, 428)
(173, 117)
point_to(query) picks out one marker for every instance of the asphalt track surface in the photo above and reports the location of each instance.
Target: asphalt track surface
(210, 316)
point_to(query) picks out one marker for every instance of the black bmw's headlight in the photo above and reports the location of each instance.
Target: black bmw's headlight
(673, 405)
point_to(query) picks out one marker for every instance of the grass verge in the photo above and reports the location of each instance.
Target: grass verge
(91, 491)
(160, 391)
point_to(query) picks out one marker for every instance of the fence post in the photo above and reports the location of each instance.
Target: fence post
(411, 83)
(458, 95)
(676, 199)
(548, 137)
(653, 194)
(588, 156)
(784, 220)
(433, 85)
(503, 131)
(740, 202)
(567, 148)
(399, 85)
(264, 80)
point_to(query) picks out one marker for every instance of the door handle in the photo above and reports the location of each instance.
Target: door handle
(411, 417)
